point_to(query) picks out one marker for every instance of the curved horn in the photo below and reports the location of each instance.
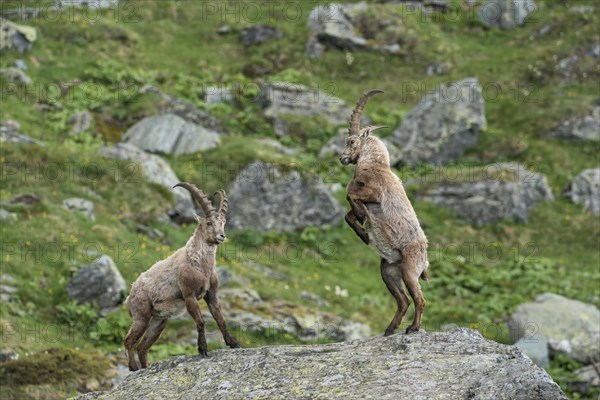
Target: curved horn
(224, 204)
(357, 112)
(375, 127)
(199, 196)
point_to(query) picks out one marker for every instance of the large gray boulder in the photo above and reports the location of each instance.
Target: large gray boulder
(100, 283)
(506, 14)
(16, 75)
(266, 197)
(280, 99)
(456, 365)
(442, 126)
(170, 134)
(334, 24)
(156, 170)
(497, 191)
(572, 327)
(585, 189)
(16, 37)
(579, 128)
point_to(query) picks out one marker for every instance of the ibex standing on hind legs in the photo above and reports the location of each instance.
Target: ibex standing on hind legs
(174, 285)
(382, 216)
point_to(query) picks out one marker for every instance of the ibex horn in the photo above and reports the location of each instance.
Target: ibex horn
(223, 205)
(357, 112)
(199, 196)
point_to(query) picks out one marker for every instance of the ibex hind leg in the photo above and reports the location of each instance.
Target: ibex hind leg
(390, 272)
(410, 275)
(133, 336)
(153, 332)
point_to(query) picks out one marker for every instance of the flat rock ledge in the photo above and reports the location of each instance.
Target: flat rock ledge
(459, 364)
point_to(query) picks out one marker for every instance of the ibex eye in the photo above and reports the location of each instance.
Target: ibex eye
(352, 141)
(209, 223)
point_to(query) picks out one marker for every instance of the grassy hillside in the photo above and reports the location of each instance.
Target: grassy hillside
(478, 274)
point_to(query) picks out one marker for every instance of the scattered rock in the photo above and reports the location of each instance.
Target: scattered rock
(585, 189)
(100, 283)
(442, 126)
(579, 128)
(335, 146)
(440, 68)
(225, 276)
(99, 4)
(501, 190)
(420, 366)
(172, 105)
(156, 170)
(170, 134)
(26, 199)
(20, 13)
(338, 25)
(535, 348)
(219, 94)
(9, 132)
(281, 200)
(7, 215)
(581, 9)
(7, 288)
(572, 327)
(258, 34)
(310, 296)
(278, 147)
(16, 75)
(8, 355)
(151, 232)
(223, 29)
(80, 122)
(16, 37)
(84, 206)
(587, 377)
(280, 99)
(506, 14)
(22, 65)
(266, 271)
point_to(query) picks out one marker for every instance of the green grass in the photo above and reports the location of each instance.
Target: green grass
(478, 275)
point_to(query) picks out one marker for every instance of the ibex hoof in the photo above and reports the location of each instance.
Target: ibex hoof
(388, 333)
(412, 329)
(203, 353)
(235, 346)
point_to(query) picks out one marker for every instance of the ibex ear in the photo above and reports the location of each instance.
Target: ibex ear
(197, 218)
(364, 133)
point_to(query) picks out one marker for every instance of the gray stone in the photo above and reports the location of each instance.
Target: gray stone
(280, 99)
(258, 34)
(8, 355)
(266, 197)
(20, 13)
(314, 48)
(98, 4)
(80, 122)
(214, 95)
(225, 276)
(579, 128)
(16, 37)
(586, 378)
(506, 14)
(22, 65)
(83, 206)
(9, 132)
(172, 105)
(442, 126)
(170, 134)
(318, 300)
(581, 9)
(332, 24)
(100, 283)
(16, 75)
(536, 348)
(7, 215)
(224, 29)
(585, 189)
(334, 146)
(572, 327)
(156, 170)
(439, 68)
(455, 365)
(501, 190)
(266, 271)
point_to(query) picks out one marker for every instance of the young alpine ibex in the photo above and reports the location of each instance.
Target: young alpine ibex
(175, 284)
(382, 216)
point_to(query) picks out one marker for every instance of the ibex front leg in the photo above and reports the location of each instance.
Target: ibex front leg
(214, 307)
(193, 308)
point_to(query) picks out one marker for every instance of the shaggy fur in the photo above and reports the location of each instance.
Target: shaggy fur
(383, 217)
(174, 285)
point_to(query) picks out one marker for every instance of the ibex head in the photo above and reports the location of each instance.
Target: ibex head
(356, 135)
(213, 224)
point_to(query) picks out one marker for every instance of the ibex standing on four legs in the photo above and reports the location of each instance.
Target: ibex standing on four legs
(382, 216)
(174, 285)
